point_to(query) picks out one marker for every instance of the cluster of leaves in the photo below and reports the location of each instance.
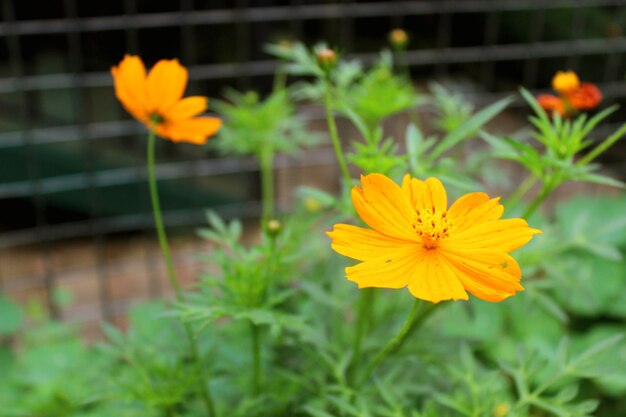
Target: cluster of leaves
(562, 141)
(252, 125)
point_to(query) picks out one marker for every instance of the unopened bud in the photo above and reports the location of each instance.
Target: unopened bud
(285, 45)
(273, 227)
(398, 38)
(312, 204)
(501, 410)
(326, 59)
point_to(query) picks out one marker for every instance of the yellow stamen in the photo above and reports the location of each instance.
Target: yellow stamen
(431, 226)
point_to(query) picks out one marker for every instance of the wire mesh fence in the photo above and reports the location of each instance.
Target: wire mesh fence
(72, 168)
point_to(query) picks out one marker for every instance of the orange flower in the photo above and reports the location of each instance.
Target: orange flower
(587, 97)
(415, 240)
(156, 100)
(574, 96)
(551, 103)
(565, 82)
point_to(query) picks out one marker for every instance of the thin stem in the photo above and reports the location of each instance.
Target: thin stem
(256, 358)
(363, 316)
(171, 274)
(332, 128)
(393, 343)
(266, 162)
(602, 147)
(521, 190)
(543, 194)
(280, 79)
(158, 218)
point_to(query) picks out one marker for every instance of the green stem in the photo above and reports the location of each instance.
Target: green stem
(543, 194)
(394, 343)
(266, 162)
(363, 317)
(602, 147)
(256, 358)
(280, 79)
(332, 128)
(521, 190)
(171, 274)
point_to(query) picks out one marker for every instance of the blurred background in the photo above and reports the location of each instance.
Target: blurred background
(76, 227)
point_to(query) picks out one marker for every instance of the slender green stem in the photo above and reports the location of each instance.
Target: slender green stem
(256, 358)
(543, 194)
(158, 218)
(423, 313)
(280, 79)
(602, 147)
(171, 274)
(393, 343)
(266, 161)
(521, 190)
(363, 317)
(332, 128)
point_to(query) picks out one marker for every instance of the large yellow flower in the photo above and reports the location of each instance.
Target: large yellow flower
(156, 100)
(438, 252)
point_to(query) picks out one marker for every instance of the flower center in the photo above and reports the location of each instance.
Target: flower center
(156, 119)
(431, 226)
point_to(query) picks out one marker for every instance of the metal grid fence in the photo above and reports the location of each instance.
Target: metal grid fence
(56, 95)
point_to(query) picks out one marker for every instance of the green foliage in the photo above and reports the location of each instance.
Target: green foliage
(11, 316)
(252, 124)
(277, 326)
(562, 141)
(451, 108)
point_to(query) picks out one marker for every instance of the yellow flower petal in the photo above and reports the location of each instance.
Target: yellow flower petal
(485, 275)
(362, 244)
(434, 281)
(392, 270)
(427, 194)
(473, 209)
(383, 206)
(501, 235)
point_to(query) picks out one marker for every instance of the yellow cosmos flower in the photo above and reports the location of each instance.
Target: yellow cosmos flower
(415, 240)
(156, 100)
(565, 82)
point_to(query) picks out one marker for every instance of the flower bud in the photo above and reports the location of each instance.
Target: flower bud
(399, 39)
(285, 44)
(500, 410)
(312, 204)
(273, 227)
(326, 59)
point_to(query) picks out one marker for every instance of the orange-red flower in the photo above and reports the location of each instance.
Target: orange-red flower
(156, 100)
(586, 97)
(574, 96)
(551, 103)
(438, 252)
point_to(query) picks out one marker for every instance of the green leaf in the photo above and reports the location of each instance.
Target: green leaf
(530, 99)
(469, 127)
